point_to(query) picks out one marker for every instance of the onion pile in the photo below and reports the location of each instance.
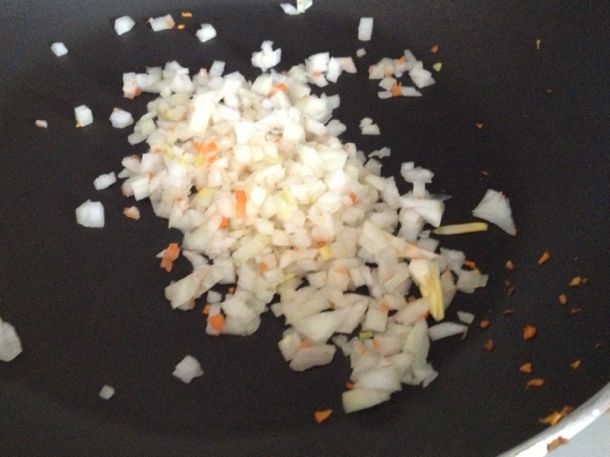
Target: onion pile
(270, 200)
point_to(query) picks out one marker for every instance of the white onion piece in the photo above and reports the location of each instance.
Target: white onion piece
(495, 208)
(466, 317)
(365, 29)
(301, 7)
(160, 23)
(313, 356)
(123, 24)
(90, 214)
(360, 52)
(10, 344)
(83, 115)
(267, 57)
(188, 369)
(106, 392)
(358, 399)
(104, 181)
(445, 329)
(41, 124)
(206, 33)
(120, 118)
(59, 49)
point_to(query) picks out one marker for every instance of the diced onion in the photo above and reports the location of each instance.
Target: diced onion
(90, 214)
(188, 369)
(10, 344)
(59, 49)
(106, 392)
(123, 24)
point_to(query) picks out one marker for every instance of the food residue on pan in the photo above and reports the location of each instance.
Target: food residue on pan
(529, 332)
(526, 368)
(559, 441)
(544, 258)
(553, 418)
(535, 382)
(322, 415)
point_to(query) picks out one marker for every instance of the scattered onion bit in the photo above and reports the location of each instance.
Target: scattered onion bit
(171, 253)
(556, 416)
(434, 49)
(559, 441)
(180, 26)
(563, 299)
(535, 382)
(458, 229)
(186, 14)
(489, 345)
(484, 172)
(509, 265)
(538, 41)
(132, 212)
(576, 364)
(508, 311)
(529, 332)
(217, 322)
(78, 126)
(484, 323)
(479, 125)
(526, 368)
(321, 415)
(544, 258)
(437, 66)
(575, 311)
(206, 309)
(577, 281)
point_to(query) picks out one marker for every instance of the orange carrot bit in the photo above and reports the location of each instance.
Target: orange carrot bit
(489, 345)
(479, 125)
(353, 197)
(576, 364)
(205, 148)
(132, 212)
(321, 415)
(535, 382)
(231, 290)
(350, 385)
(171, 253)
(206, 309)
(434, 49)
(538, 42)
(526, 368)
(575, 311)
(240, 203)
(305, 344)
(576, 281)
(563, 299)
(509, 265)
(224, 222)
(376, 344)
(396, 90)
(559, 441)
(544, 258)
(263, 266)
(279, 87)
(217, 322)
(556, 416)
(186, 14)
(529, 332)
(180, 26)
(402, 59)
(385, 307)
(484, 323)
(470, 264)
(315, 74)
(508, 311)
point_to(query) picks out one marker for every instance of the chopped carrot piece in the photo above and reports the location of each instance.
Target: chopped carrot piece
(353, 197)
(535, 382)
(315, 74)
(205, 148)
(556, 416)
(171, 253)
(322, 415)
(576, 364)
(488, 345)
(526, 368)
(479, 125)
(279, 87)
(575, 281)
(217, 322)
(350, 385)
(395, 90)
(509, 265)
(529, 332)
(544, 258)
(224, 223)
(470, 264)
(575, 311)
(402, 59)
(484, 323)
(240, 203)
(180, 26)
(559, 441)
(385, 307)
(305, 344)
(186, 14)
(563, 299)
(434, 49)
(206, 309)
(263, 266)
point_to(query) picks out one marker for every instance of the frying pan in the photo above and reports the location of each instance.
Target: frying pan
(88, 304)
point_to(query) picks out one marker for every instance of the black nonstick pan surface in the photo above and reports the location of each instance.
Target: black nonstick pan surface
(89, 306)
